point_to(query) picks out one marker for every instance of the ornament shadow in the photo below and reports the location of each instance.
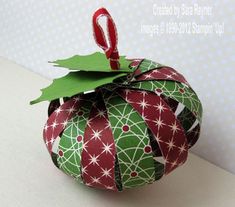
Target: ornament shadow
(193, 184)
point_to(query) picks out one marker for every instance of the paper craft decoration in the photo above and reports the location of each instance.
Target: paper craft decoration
(116, 123)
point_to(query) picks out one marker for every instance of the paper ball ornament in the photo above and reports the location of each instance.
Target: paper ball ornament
(120, 123)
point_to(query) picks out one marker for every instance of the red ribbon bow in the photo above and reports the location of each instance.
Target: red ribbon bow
(111, 49)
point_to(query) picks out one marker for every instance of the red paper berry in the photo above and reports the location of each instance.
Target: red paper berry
(158, 90)
(125, 128)
(79, 138)
(61, 153)
(134, 174)
(181, 90)
(80, 113)
(147, 149)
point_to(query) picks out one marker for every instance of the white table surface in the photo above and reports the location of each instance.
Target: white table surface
(29, 178)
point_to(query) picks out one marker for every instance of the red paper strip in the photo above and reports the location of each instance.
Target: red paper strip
(135, 62)
(58, 121)
(163, 124)
(163, 73)
(98, 155)
(111, 49)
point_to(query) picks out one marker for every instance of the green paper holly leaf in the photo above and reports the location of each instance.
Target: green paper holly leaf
(96, 62)
(74, 83)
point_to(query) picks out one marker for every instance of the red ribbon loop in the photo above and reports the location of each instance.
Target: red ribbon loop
(111, 50)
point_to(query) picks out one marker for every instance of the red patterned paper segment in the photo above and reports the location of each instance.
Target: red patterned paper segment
(163, 124)
(135, 65)
(98, 155)
(58, 121)
(135, 62)
(163, 73)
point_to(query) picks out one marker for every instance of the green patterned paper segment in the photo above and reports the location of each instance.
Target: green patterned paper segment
(176, 91)
(131, 137)
(147, 65)
(71, 142)
(118, 179)
(186, 119)
(159, 170)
